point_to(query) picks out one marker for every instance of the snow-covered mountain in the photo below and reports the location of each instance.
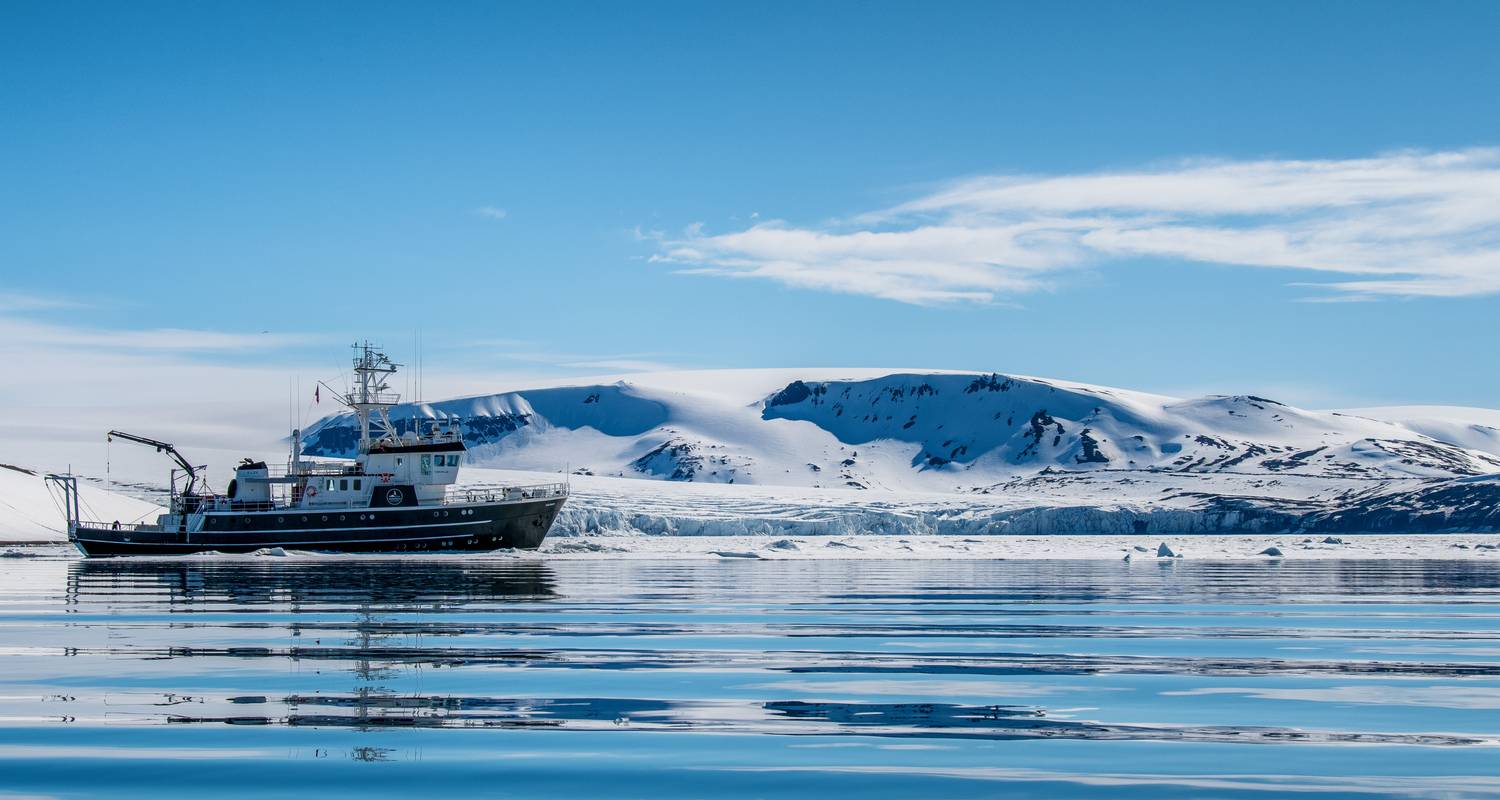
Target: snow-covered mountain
(923, 452)
(928, 431)
(945, 452)
(31, 511)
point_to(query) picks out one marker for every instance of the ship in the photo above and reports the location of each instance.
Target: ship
(400, 494)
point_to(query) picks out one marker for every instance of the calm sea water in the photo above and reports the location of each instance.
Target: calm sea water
(266, 677)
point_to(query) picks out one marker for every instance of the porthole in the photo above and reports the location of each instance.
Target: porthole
(304, 519)
(325, 518)
(281, 519)
(341, 518)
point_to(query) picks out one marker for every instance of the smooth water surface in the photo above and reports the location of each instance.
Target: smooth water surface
(740, 678)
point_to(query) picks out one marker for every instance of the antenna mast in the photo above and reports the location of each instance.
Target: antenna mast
(370, 398)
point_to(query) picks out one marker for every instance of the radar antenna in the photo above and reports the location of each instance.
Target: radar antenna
(371, 398)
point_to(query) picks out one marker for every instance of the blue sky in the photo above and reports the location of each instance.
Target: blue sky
(588, 188)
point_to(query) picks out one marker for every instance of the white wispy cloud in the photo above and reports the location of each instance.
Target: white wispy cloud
(493, 212)
(1401, 224)
(22, 301)
(170, 340)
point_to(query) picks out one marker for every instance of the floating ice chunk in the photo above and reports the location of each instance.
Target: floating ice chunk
(1142, 549)
(848, 546)
(1162, 551)
(784, 544)
(1333, 540)
(1273, 551)
(734, 554)
(571, 546)
(1126, 558)
(271, 551)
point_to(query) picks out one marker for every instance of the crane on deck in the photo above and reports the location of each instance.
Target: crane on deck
(161, 447)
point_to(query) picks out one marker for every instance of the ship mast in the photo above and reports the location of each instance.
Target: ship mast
(370, 397)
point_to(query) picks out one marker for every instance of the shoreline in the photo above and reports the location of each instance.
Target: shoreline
(1090, 547)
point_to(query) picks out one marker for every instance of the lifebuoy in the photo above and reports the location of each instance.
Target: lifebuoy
(312, 491)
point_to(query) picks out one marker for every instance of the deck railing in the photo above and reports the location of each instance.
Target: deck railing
(454, 495)
(119, 526)
(490, 493)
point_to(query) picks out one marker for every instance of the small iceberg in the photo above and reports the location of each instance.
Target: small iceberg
(1272, 551)
(734, 554)
(567, 546)
(1162, 551)
(1333, 540)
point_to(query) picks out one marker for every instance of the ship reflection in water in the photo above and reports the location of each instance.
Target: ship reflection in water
(246, 675)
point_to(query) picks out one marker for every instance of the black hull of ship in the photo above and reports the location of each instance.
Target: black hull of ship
(412, 529)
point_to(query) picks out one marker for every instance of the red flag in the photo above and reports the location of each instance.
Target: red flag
(317, 394)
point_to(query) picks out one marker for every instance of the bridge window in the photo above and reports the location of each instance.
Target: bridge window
(453, 460)
(329, 486)
(344, 485)
(356, 484)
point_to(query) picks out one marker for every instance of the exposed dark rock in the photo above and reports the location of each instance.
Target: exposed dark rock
(680, 456)
(993, 382)
(795, 392)
(1447, 506)
(1091, 453)
(1040, 421)
(1291, 462)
